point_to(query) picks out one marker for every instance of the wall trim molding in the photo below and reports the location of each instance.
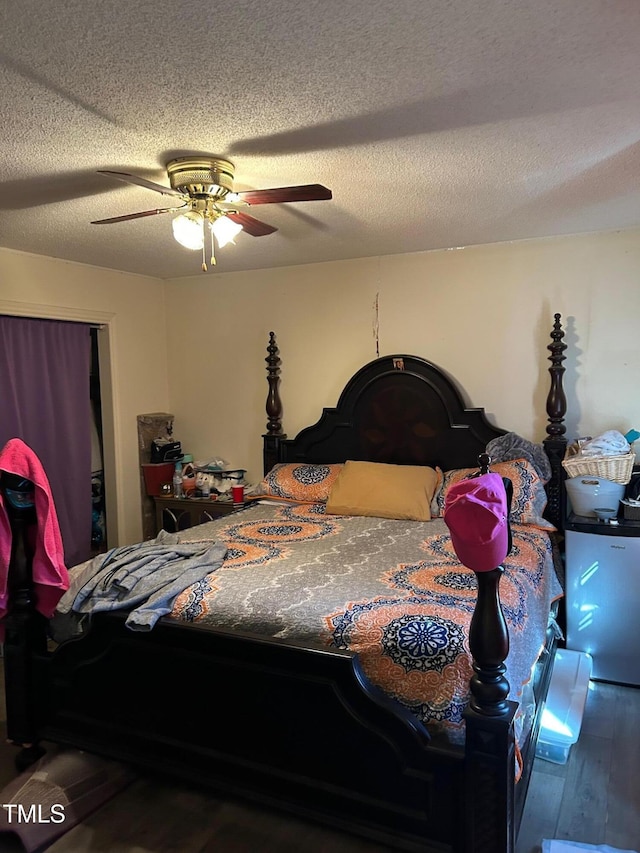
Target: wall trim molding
(41, 311)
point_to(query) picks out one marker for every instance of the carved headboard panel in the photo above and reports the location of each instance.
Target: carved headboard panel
(399, 409)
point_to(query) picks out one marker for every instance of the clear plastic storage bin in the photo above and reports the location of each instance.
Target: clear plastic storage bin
(564, 708)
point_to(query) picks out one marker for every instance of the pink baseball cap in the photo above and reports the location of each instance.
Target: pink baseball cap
(476, 514)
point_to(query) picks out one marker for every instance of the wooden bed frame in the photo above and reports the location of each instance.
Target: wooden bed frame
(290, 727)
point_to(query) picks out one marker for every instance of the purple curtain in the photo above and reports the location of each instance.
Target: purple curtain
(44, 400)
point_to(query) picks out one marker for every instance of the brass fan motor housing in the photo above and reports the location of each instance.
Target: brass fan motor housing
(201, 176)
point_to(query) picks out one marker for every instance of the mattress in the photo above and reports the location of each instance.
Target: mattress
(391, 591)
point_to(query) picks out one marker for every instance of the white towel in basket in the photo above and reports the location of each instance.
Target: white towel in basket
(609, 443)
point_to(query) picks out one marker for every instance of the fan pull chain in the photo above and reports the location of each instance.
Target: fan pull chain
(204, 240)
(213, 256)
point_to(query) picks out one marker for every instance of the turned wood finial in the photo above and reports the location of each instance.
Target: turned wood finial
(484, 461)
(489, 645)
(274, 405)
(556, 399)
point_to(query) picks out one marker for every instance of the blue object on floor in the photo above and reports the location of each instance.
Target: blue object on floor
(562, 846)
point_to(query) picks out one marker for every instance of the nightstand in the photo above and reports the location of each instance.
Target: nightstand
(173, 514)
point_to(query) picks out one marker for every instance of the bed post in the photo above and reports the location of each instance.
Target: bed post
(274, 434)
(25, 636)
(555, 444)
(490, 737)
(489, 717)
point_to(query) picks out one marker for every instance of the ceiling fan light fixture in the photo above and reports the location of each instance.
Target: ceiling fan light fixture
(188, 230)
(224, 230)
(204, 187)
(210, 176)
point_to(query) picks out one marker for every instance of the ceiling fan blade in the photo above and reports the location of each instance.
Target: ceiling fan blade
(278, 195)
(141, 182)
(128, 216)
(252, 225)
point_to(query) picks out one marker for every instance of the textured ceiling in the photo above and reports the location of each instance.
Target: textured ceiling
(435, 124)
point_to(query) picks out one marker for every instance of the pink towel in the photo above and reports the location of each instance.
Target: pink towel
(50, 577)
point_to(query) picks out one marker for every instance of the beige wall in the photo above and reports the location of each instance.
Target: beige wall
(481, 313)
(133, 346)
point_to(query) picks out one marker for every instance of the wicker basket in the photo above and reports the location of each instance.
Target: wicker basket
(630, 513)
(615, 468)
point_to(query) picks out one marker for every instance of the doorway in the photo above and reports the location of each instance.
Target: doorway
(102, 321)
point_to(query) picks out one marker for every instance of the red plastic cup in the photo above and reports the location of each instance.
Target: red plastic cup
(237, 493)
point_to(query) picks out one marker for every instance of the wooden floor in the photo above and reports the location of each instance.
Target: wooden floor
(594, 798)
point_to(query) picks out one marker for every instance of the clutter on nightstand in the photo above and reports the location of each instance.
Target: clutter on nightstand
(217, 477)
(177, 480)
(631, 501)
(588, 493)
(598, 470)
(165, 450)
(188, 476)
(155, 474)
(608, 455)
(160, 469)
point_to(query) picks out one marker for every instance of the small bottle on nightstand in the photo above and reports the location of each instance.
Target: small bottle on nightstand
(177, 480)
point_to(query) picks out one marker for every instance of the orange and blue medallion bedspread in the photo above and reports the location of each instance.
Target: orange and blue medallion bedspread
(391, 591)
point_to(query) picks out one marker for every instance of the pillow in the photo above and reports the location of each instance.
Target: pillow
(298, 483)
(384, 491)
(529, 497)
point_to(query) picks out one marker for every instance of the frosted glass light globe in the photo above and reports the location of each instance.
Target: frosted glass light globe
(225, 230)
(188, 230)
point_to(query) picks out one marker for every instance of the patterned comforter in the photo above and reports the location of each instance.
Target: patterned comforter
(391, 591)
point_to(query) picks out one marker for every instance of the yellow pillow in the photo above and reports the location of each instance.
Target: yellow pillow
(383, 491)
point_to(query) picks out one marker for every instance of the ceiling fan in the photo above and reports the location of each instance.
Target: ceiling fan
(204, 188)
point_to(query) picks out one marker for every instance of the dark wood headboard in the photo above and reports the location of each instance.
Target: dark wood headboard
(405, 410)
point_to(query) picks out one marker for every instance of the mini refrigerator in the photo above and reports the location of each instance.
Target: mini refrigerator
(603, 596)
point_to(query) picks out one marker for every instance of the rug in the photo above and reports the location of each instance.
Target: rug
(551, 846)
(57, 793)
